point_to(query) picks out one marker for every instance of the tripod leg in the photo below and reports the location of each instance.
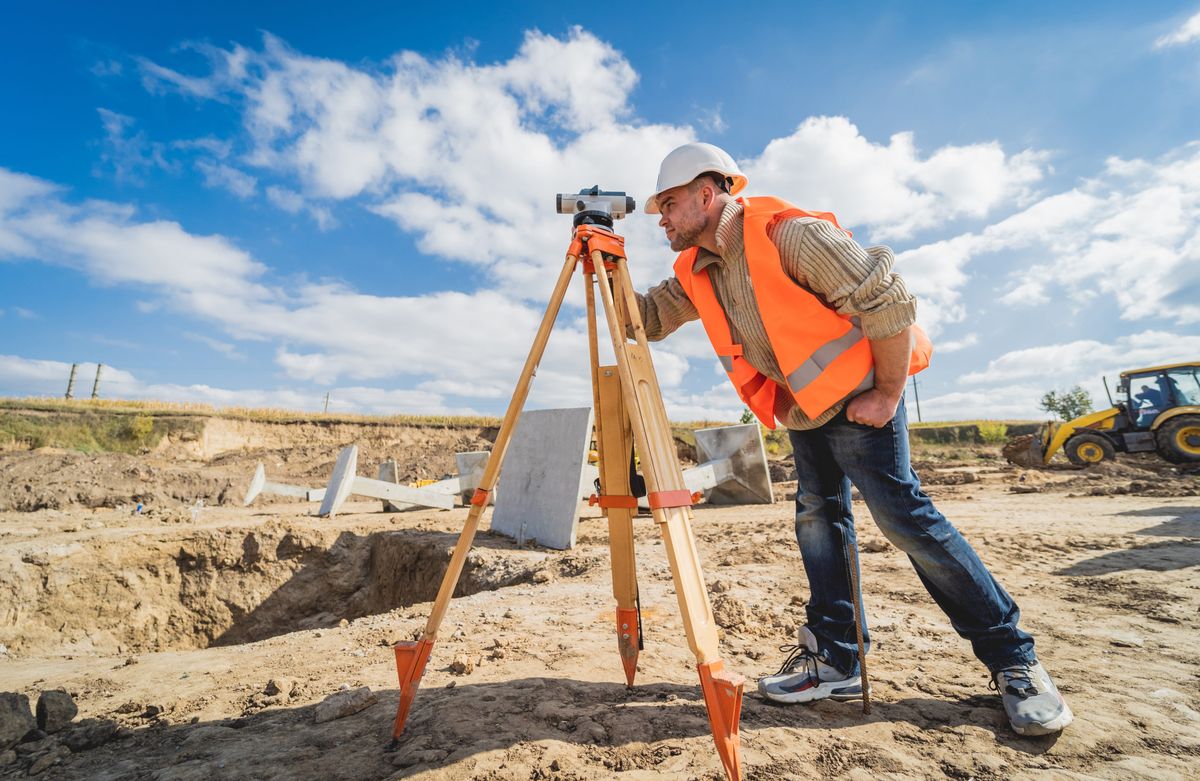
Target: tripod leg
(614, 482)
(852, 560)
(614, 440)
(411, 657)
(652, 433)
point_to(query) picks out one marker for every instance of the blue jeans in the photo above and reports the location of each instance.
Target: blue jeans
(876, 461)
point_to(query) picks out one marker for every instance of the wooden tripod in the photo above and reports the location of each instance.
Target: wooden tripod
(628, 405)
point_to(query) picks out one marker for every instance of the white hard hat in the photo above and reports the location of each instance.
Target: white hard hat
(687, 162)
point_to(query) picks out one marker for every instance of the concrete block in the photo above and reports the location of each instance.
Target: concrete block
(470, 473)
(544, 477)
(734, 461)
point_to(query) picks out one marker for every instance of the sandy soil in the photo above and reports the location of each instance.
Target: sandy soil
(173, 623)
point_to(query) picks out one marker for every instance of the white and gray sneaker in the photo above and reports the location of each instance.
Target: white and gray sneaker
(805, 677)
(1031, 700)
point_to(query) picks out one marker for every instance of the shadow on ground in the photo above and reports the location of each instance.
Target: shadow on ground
(1156, 557)
(361, 575)
(613, 728)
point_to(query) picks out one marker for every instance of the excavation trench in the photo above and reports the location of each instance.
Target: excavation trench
(225, 587)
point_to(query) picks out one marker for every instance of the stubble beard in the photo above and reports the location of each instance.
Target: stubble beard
(688, 236)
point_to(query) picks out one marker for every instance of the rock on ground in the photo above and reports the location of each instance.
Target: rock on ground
(55, 709)
(89, 734)
(16, 720)
(344, 703)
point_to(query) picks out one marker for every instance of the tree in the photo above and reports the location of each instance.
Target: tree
(1067, 405)
(747, 415)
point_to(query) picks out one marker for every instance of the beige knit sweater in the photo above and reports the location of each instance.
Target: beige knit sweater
(816, 255)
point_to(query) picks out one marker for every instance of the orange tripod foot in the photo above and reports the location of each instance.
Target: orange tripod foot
(723, 698)
(410, 666)
(628, 642)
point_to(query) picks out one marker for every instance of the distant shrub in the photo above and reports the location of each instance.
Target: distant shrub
(1067, 405)
(992, 432)
(140, 428)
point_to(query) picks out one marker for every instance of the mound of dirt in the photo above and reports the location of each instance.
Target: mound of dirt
(56, 479)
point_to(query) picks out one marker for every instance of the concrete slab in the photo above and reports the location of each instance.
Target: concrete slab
(379, 489)
(340, 483)
(708, 476)
(747, 478)
(259, 484)
(544, 477)
(256, 485)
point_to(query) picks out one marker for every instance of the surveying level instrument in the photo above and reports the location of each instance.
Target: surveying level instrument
(596, 206)
(629, 411)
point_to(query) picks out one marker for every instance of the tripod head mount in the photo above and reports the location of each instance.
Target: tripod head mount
(595, 206)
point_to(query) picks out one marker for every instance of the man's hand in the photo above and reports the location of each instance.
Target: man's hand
(872, 408)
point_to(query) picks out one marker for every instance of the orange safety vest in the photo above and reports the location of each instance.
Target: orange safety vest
(824, 356)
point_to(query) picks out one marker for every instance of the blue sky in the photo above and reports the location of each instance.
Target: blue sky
(259, 207)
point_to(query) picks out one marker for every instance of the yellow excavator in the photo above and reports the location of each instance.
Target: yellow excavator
(1157, 409)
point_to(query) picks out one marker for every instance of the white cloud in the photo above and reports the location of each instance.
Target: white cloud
(288, 200)
(106, 242)
(1075, 362)
(828, 165)
(955, 345)
(466, 156)
(224, 348)
(1012, 384)
(105, 68)
(1188, 32)
(1005, 402)
(158, 79)
(1132, 233)
(224, 177)
(127, 154)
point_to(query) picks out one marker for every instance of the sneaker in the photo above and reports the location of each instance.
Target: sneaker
(1031, 700)
(805, 677)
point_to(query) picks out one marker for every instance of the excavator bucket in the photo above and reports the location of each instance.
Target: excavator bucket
(628, 642)
(723, 698)
(411, 658)
(1028, 450)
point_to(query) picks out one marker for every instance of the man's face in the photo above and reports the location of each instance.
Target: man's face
(682, 216)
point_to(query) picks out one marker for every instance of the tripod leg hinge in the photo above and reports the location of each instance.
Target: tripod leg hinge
(613, 500)
(480, 497)
(663, 499)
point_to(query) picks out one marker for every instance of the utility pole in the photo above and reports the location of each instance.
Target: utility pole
(71, 381)
(326, 402)
(917, 397)
(96, 384)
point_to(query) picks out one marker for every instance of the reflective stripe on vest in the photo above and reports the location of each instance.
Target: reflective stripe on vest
(824, 356)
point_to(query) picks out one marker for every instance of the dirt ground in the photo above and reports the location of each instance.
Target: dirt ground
(210, 633)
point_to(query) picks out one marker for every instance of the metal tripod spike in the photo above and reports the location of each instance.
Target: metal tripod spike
(629, 411)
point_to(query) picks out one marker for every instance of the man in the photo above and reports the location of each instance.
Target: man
(819, 334)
